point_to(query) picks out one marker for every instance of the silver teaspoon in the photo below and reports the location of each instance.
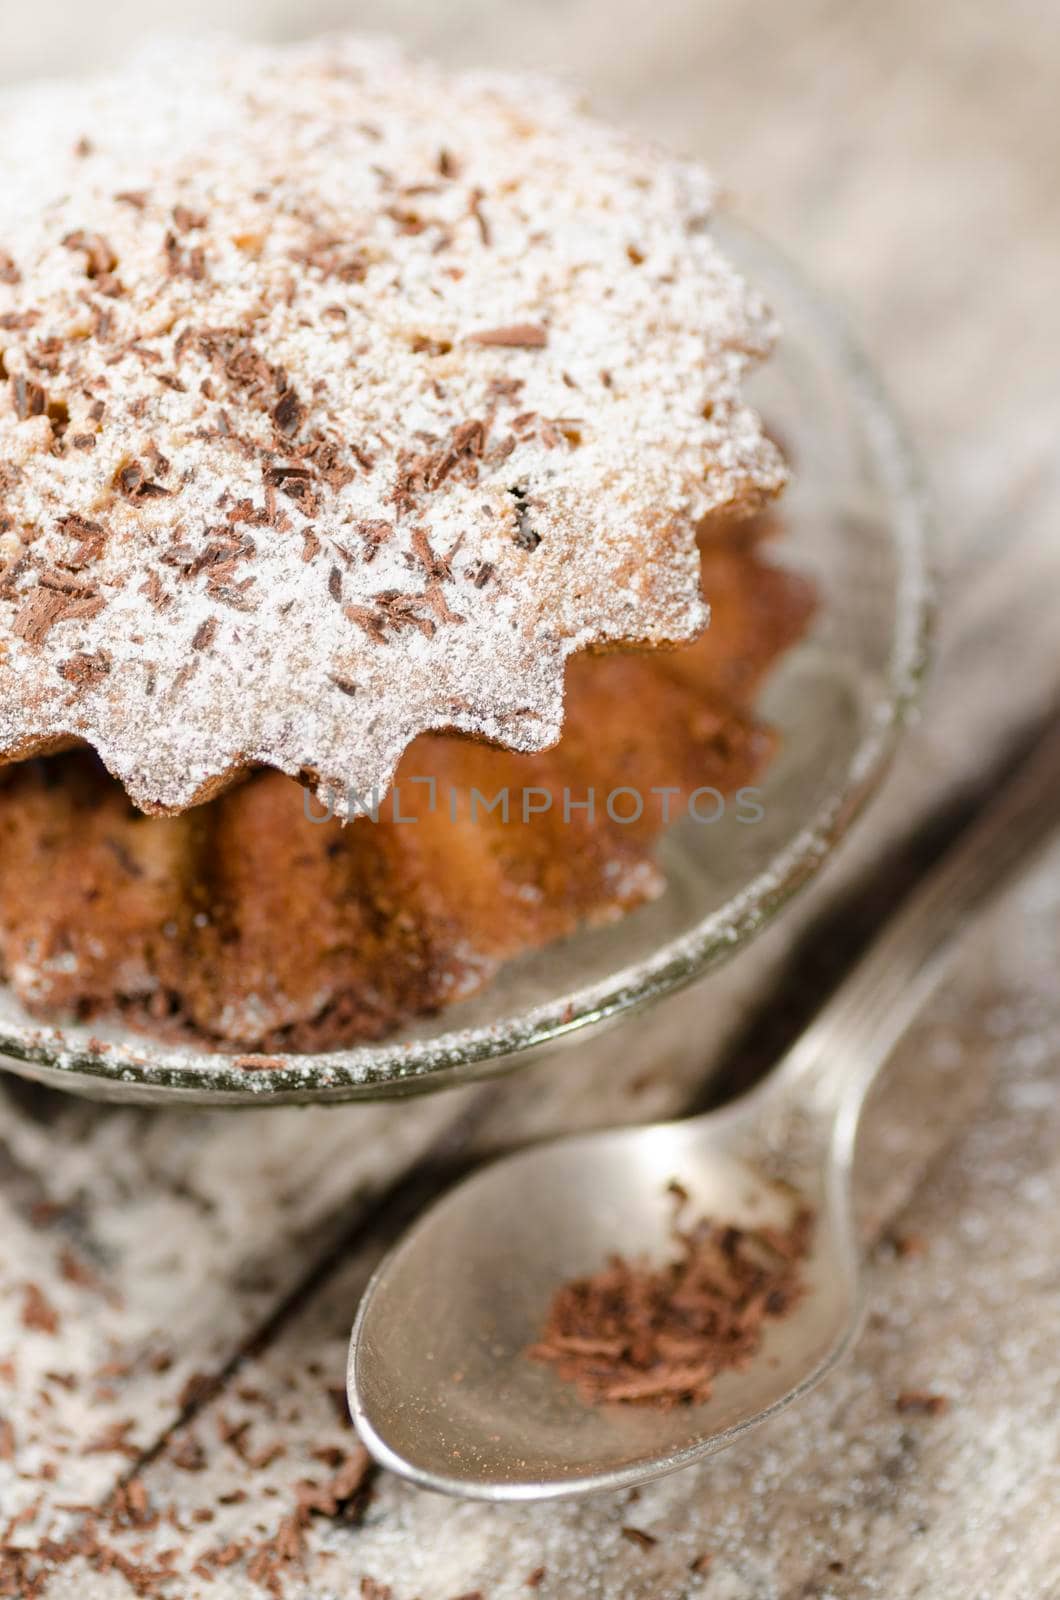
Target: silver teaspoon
(439, 1384)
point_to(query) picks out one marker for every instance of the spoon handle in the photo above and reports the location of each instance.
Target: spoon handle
(833, 1064)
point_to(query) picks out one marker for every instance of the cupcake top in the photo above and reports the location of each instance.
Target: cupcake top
(343, 398)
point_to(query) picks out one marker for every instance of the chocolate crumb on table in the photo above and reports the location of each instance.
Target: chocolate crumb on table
(38, 1313)
(635, 1333)
(906, 1245)
(923, 1401)
(189, 1455)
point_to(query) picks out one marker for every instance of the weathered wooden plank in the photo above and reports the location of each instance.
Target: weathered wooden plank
(905, 153)
(159, 1245)
(844, 1495)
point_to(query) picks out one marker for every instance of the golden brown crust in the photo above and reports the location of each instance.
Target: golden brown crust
(246, 926)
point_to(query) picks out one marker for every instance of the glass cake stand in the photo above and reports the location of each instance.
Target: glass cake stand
(855, 521)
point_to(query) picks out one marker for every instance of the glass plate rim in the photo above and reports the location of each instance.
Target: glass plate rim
(145, 1070)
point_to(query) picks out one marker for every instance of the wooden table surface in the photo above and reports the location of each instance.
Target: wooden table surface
(176, 1291)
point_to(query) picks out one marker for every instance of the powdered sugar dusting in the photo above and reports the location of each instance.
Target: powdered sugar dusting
(344, 399)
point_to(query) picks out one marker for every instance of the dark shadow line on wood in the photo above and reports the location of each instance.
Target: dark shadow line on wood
(832, 943)
(444, 1162)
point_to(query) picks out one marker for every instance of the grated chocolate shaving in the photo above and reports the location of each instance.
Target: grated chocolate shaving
(48, 605)
(637, 1536)
(205, 634)
(923, 1401)
(520, 335)
(85, 670)
(91, 540)
(38, 1313)
(639, 1334)
(29, 398)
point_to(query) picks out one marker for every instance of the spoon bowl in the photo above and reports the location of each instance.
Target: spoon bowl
(444, 1392)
